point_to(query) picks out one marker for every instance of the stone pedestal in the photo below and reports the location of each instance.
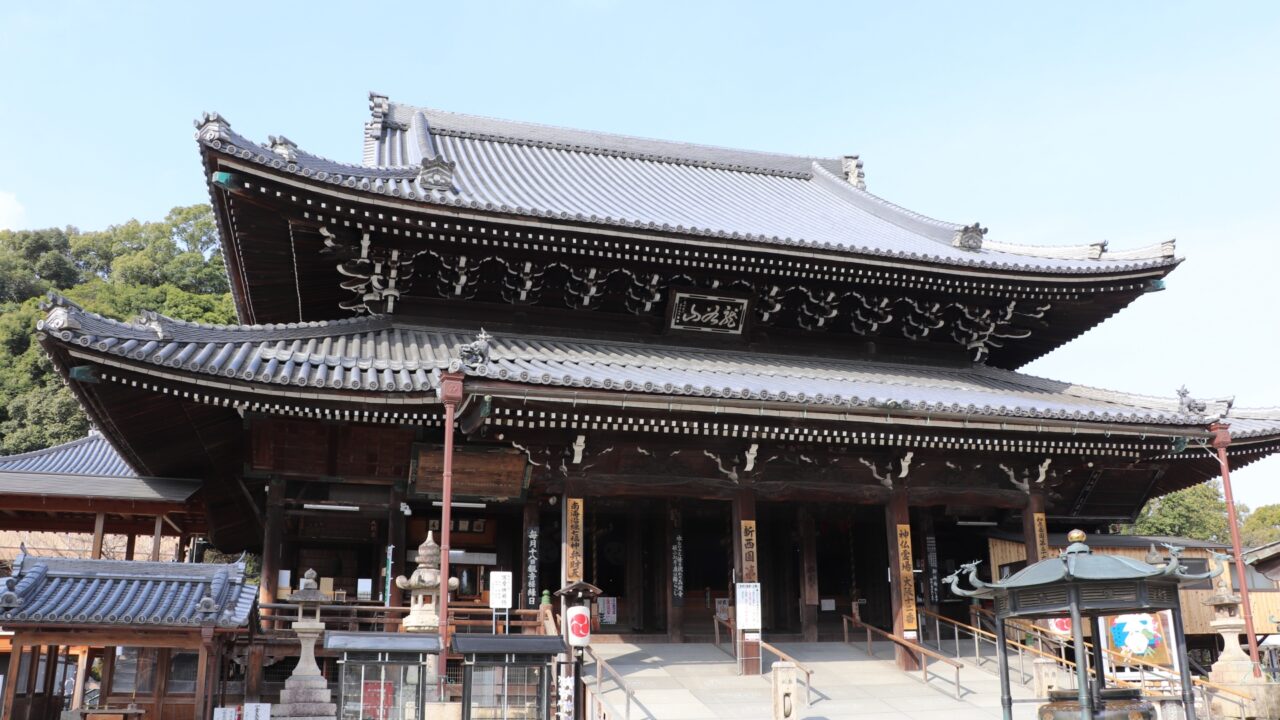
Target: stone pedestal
(1234, 669)
(306, 693)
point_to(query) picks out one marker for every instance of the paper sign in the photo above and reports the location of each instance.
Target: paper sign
(500, 590)
(828, 604)
(364, 589)
(608, 610)
(748, 605)
(722, 608)
(224, 713)
(257, 711)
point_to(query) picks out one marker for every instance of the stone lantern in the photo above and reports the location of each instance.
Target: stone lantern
(306, 692)
(424, 589)
(1234, 669)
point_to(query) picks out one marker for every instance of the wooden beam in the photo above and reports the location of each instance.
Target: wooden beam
(202, 692)
(634, 580)
(130, 546)
(121, 637)
(271, 541)
(396, 538)
(253, 673)
(17, 647)
(530, 534)
(99, 524)
(746, 563)
(155, 539)
(1032, 539)
(82, 672)
(58, 504)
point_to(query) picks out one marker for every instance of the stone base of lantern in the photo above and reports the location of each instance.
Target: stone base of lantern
(306, 694)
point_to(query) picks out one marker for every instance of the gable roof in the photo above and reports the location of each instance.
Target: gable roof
(651, 185)
(87, 468)
(91, 455)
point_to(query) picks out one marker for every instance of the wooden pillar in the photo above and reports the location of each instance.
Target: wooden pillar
(156, 537)
(253, 673)
(180, 549)
(272, 539)
(902, 594)
(808, 574)
(11, 679)
(674, 572)
(635, 570)
(530, 583)
(747, 565)
(204, 688)
(932, 577)
(1034, 531)
(51, 653)
(130, 546)
(82, 672)
(99, 525)
(395, 539)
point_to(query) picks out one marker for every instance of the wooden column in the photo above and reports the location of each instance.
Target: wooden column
(272, 539)
(747, 565)
(130, 546)
(204, 686)
(673, 564)
(808, 574)
(1034, 532)
(897, 520)
(253, 673)
(395, 538)
(530, 583)
(99, 525)
(180, 548)
(635, 570)
(82, 672)
(11, 679)
(155, 539)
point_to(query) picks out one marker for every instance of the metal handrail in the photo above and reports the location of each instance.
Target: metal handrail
(627, 690)
(923, 652)
(808, 671)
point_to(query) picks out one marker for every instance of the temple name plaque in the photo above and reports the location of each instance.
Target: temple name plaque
(907, 578)
(696, 312)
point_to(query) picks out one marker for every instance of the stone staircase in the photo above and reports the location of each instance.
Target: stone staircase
(700, 682)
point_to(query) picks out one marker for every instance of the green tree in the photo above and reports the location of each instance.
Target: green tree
(1198, 512)
(170, 266)
(1261, 526)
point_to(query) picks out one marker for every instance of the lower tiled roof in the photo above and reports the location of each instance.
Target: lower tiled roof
(379, 354)
(64, 591)
(91, 455)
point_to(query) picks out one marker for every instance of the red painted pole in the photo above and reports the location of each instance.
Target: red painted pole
(1221, 439)
(451, 394)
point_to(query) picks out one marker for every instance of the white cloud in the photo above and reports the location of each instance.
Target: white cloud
(11, 211)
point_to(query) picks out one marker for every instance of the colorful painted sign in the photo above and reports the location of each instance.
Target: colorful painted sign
(1142, 636)
(906, 578)
(573, 534)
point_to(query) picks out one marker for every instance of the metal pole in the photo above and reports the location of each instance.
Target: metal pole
(1002, 660)
(1099, 667)
(1082, 662)
(1184, 672)
(1221, 439)
(451, 395)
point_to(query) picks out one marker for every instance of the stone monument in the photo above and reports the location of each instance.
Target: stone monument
(306, 693)
(424, 589)
(1234, 669)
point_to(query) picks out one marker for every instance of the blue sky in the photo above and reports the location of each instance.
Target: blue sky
(1068, 123)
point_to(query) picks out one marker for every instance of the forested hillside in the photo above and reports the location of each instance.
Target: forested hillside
(173, 266)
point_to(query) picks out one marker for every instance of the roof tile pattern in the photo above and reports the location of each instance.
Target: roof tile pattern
(573, 175)
(62, 591)
(377, 354)
(91, 455)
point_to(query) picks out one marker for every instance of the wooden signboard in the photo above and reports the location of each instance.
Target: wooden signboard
(1042, 537)
(750, 563)
(907, 577)
(692, 311)
(486, 472)
(573, 540)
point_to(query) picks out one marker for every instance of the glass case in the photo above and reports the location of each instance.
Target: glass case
(385, 676)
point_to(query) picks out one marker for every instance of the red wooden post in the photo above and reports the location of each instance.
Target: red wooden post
(1221, 439)
(451, 395)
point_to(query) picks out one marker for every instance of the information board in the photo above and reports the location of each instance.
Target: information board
(748, 605)
(500, 590)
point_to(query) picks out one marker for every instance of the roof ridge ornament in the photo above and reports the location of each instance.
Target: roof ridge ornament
(969, 237)
(436, 173)
(1188, 404)
(284, 147)
(475, 353)
(851, 165)
(211, 126)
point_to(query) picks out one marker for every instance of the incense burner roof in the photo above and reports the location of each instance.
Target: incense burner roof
(64, 591)
(383, 355)
(465, 161)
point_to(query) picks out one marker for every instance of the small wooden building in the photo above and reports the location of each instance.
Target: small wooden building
(164, 631)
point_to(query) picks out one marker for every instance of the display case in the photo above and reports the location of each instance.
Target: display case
(385, 676)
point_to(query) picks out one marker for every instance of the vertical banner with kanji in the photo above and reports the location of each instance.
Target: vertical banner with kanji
(573, 534)
(1042, 536)
(750, 566)
(907, 578)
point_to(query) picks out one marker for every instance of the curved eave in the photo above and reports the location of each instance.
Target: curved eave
(353, 183)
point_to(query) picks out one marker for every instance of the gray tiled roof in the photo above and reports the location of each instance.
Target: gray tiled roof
(384, 355)
(91, 455)
(87, 485)
(62, 591)
(574, 175)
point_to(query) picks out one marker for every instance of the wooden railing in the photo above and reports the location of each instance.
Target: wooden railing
(808, 672)
(377, 618)
(923, 652)
(729, 631)
(604, 710)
